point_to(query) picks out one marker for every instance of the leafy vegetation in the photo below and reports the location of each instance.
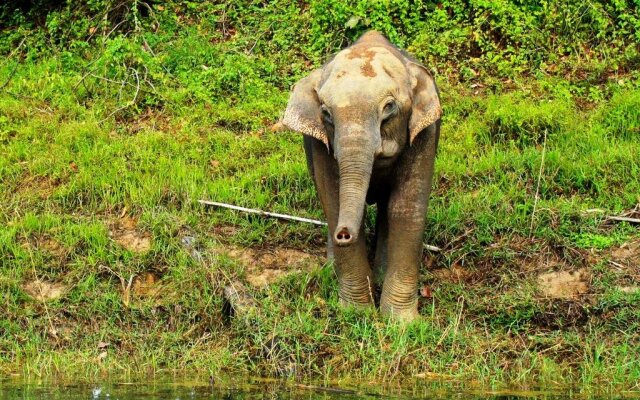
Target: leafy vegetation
(116, 117)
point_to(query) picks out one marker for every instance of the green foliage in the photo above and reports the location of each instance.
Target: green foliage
(594, 241)
(503, 38)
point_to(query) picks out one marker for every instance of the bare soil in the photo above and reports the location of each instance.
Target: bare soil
(43, 290)
(126, 233)
(265, 266)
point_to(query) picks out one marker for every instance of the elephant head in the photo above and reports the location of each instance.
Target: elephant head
(366, 105)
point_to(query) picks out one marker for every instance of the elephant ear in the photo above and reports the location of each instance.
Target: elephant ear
(303, 110)
(425, 109)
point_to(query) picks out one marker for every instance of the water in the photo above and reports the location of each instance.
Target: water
(245, 389)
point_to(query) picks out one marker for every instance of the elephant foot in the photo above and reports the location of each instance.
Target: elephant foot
(404, 315)
(359, 305)
(360, 297)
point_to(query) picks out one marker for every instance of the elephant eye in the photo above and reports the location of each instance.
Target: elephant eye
(390, 109)
(326, 115)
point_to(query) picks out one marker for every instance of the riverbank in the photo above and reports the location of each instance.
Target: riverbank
(111, 266)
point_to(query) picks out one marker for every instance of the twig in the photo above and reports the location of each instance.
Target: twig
(264, 213)
(624, 219)
(432, 248)
(535, 202)
(135, 96)
(258, 39)
(15, 68)
(16, 49)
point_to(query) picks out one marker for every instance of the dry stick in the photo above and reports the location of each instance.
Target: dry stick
(260, 212)
(15, 68)
(432, 248)
(625, 219)
(283, 216)
(132, 102)
(535, 202)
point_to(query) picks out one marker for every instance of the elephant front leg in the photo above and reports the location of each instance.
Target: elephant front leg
(406, 218)
(355, 279)
(351, 263)
(399, 297)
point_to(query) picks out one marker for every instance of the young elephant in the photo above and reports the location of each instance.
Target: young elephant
(371, 120)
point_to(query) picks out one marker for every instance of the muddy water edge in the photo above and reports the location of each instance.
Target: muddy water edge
(258, 388)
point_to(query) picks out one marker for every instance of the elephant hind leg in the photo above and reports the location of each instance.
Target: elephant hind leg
(381, 243)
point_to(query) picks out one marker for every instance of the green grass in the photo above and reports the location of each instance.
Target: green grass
(78, 157)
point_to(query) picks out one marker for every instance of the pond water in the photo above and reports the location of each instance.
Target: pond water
(247, 389)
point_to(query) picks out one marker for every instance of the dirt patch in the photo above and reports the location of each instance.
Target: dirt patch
(628, 254)
(124, 231)
(564, 284)
(225, 230)
(41, 187)
(558, 314)
(43, 290)
(52, 246)
(146, 284)
(267, 266)
(455, 274)
(150, 120)
(624, 263)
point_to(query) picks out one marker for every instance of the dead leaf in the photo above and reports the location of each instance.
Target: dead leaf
(101, 356)
(425, 292)
(103, 345)
(145, 285)
(73, 166)
(278, 127)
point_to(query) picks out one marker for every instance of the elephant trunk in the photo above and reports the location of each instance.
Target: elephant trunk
(355, 162)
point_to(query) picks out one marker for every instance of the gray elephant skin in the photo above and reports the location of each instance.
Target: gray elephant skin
(371, 121)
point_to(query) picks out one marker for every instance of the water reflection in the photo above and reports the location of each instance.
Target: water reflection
(254, 389)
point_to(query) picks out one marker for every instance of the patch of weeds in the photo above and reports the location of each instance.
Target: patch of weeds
(523, 123)
(587, 240)
(621, 117)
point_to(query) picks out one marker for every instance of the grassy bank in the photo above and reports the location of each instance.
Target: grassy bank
(109, 264)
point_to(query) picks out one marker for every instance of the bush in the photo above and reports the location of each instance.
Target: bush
(501, 38)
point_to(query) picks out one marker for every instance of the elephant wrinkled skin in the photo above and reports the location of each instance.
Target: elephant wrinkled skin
(371, 121)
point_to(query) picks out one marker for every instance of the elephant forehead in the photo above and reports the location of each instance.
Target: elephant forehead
(368, 62)
(354, 91)
(363, 75)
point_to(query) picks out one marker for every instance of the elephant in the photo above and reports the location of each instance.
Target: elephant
(370, 118)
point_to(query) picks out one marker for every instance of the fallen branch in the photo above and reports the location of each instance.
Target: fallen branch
(264, 213)
(624, 219)
(284, 217)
